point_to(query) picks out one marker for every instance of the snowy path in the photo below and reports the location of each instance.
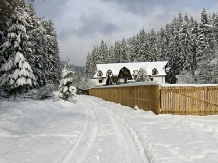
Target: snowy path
(104, 138)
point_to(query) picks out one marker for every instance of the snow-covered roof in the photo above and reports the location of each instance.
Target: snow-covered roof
(115, 67)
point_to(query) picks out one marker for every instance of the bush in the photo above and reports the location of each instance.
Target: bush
(46, 91)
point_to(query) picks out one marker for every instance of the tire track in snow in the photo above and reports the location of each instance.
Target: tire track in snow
(141, 152)
(119, 128)
(80, 150)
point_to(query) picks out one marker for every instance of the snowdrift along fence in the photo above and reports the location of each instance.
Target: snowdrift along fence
(182, 100)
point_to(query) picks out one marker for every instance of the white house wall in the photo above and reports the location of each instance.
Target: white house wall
(100, 84)
(159, 79)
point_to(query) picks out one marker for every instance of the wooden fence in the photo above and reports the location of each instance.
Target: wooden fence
(145, 97)
(189, 100)
(182, 100)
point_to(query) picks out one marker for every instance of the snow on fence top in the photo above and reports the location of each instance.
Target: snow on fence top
(157, 83)
(188, 85)
(131, 84)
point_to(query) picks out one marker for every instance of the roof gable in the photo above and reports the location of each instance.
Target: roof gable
(149, 66)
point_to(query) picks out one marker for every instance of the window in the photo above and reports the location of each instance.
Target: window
(109, 72)
(100, 73)
(100, 81)
(154, 71)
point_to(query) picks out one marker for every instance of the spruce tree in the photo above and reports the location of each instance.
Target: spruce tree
(204, 73)
(16, 72)
(66, 90)
(123, 52)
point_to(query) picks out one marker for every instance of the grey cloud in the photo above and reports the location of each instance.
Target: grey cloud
(49, 8)
(142, 7)
(65, 33)
(92, 24)
(89, 26)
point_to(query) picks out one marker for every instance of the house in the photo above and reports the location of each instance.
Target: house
(115, 73)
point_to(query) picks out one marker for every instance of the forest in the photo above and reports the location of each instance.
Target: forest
(29, 52)
(29, 55)
(189, 46)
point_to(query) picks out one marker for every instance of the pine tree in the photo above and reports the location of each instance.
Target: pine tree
(52, 54)
(17, 73)
(6, 10)
(37, 59)
(132, 53)
(142, 46)
(111, 54)
(153, 46)
(123, 52)
(162, 42)
(206, 51)
(87, 66)
(117, 50)
(66, 90)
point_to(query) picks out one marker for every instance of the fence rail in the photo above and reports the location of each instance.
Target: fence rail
(182, 100)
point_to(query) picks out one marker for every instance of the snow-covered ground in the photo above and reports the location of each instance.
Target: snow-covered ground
(95, 131)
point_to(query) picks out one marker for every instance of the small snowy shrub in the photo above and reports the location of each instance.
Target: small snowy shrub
(142, 76)
(45, 92)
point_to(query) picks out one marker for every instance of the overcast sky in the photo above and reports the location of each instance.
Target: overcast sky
(83, 24)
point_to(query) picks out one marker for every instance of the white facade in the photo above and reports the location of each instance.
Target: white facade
(159, 67)
(100, 81)
(159, 79)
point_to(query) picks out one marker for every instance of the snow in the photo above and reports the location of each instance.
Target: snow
(3, 79)
(8, 65)
(131, 84)
(66, 73)
(90, 130)
(19, 57)
(188, 85)
(20, 81)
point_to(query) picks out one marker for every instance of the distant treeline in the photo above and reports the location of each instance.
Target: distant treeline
(190, 47)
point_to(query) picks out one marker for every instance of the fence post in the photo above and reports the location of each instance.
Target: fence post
(157, 99)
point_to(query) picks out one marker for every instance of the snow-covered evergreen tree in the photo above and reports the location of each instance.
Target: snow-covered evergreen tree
(111, 54)
(132, 53)
(52, 57)
(66, 89)
(38, 42)
(123, 52)
(16, 72)
(206, 51)
(117, 52)
(88, 66)
(6, 10)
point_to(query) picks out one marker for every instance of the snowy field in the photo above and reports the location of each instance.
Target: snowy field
(90, 130)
